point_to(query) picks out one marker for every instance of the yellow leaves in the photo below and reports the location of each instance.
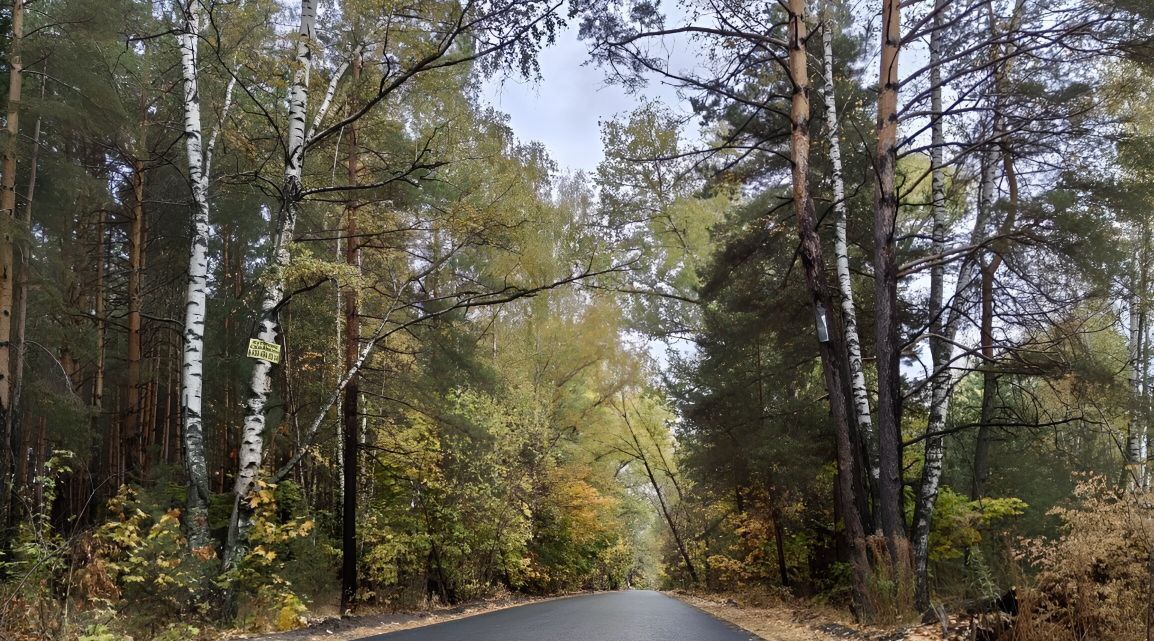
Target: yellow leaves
(306, 269)
(263, 495)
(291, 615)
(959, 522)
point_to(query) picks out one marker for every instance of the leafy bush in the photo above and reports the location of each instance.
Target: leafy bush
(271, 600)
(29, 602)
(959, 522)
(142, 549)
(1095, 580)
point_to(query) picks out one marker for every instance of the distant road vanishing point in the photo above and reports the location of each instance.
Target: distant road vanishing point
(636, 615)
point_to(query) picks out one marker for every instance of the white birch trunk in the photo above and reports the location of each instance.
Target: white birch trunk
(1136, 437)
(858, 389)
(940, 352)
(192, 377)
(209, 149)
(1143, 367)
(326, 101)
(251, 451)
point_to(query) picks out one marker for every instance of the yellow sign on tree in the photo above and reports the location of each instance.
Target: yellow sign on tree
(263, 350)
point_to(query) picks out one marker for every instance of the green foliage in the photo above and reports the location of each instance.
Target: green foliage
(101, 632)
(271, 599)
(960, 522)
(142, 551)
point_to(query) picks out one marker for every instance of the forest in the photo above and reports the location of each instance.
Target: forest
(294, 323)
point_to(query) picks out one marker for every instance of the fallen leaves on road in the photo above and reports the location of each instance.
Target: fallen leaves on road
(786, 621)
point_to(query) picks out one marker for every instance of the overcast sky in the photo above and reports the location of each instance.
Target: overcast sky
(564, 110)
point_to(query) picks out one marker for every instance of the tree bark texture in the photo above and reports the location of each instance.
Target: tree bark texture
(841, 250)
(940, 351)
(890, 513)
(7, 248)
(813, 265)
(251, 451)
(351, 405)
(195, 304)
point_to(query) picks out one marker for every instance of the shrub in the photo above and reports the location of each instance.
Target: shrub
(270, 598)
(889, 590)
(142, 549)
(1096, 579)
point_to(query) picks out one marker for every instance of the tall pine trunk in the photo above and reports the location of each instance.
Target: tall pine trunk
(7, 249)
(890, 510)
(828, 328)
(351, 406)
(998, 147)
(132, 434)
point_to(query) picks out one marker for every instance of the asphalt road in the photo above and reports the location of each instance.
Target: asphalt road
(635, 615)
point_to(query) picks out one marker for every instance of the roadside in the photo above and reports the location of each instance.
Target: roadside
(356, 627)
(785, 621)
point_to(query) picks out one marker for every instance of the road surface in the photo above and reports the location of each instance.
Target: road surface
(636, 615)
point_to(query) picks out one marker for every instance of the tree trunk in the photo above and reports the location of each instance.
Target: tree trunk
(1135, 461)
(677, 538)
(778, 535)
(132, 446)
(890, 510)
(829, 329)
(195, 305)
(998, 146)
(101, 345)
(351, 410)
(989, 386)
(15, 417)
(251, 453)
(940, 351)
(841, 250)
(7, 249)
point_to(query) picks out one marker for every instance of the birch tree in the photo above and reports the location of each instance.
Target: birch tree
(251, 449)
(857, 381)
(1137, 438)
(931, 476)
(192, 377)
(502, 34)
(827, 328)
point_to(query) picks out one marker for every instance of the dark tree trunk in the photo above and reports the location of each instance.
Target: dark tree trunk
(351, 445)
(890, 513)
(830, 344)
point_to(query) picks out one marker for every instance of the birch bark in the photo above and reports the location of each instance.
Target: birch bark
(935, 450)
(841, 251)
(813, 265)
(251, 451)
(1138, 476)
(1136, 437)
(195, 308)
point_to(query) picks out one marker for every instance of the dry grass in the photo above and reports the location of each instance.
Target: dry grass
(787, 620)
